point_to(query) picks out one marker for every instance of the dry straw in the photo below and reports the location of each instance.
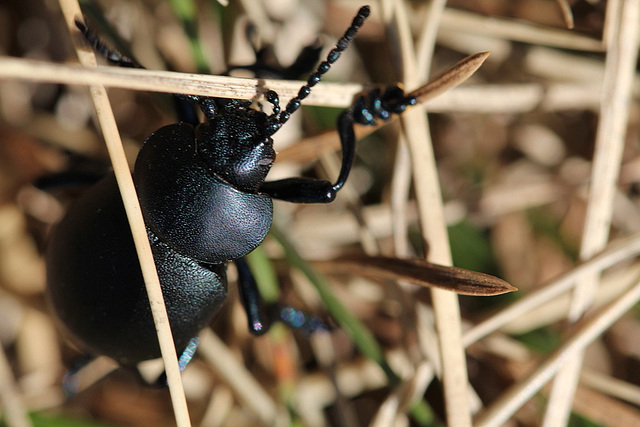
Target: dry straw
(71, 11)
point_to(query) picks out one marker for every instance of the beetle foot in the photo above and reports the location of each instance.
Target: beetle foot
(300, 320)
(378, 104)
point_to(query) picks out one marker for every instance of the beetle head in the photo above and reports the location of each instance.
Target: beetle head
(237, 148)
(236, 140)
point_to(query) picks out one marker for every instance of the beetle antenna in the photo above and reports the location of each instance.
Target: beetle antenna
(316, 76)
(112, 55)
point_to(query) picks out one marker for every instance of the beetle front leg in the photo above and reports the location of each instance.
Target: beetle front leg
(308, 190)
(366, 109)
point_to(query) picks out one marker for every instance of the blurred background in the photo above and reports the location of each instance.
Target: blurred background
(514, 149)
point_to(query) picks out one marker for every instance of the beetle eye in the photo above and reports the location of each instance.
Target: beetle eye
(266, 151)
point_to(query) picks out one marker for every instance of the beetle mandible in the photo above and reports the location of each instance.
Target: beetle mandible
(205, 202)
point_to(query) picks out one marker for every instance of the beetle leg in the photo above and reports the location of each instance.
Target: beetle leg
(367, 107)
(183, 361)
(252, 302)
(303, 64)
(188, 353)
(71, 380)
(184, 109)
(112, 55)
(300, 190)
(376, 104)
(261, 315)
(186, 112)
(300, 320)
(81, 172)
(307, 190)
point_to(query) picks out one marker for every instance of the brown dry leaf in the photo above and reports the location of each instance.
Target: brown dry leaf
(311, 148)
(420, 272)
(451, 77)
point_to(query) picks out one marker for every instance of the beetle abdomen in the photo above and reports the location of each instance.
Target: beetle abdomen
(190, 208)
(96, 286)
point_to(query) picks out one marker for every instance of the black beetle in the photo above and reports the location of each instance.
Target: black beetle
(205, 202)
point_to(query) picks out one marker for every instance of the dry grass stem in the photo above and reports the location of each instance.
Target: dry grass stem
(93, 372)
(611, 21)
(612, 285)
(14, 410)
(484, 99)
(604, 410)
(610, 386)
(236, 376)
(620, 69)
(616, 252)
(518, 98)
(328, 94)
(400, 186)
(516, 31)
(433, 228)
(567, 15)
(71, 10)
(513, 398)
(561, 66)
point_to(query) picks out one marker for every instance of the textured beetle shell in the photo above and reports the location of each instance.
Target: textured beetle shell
(97, 290)
(190, 208)
(195, 222)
